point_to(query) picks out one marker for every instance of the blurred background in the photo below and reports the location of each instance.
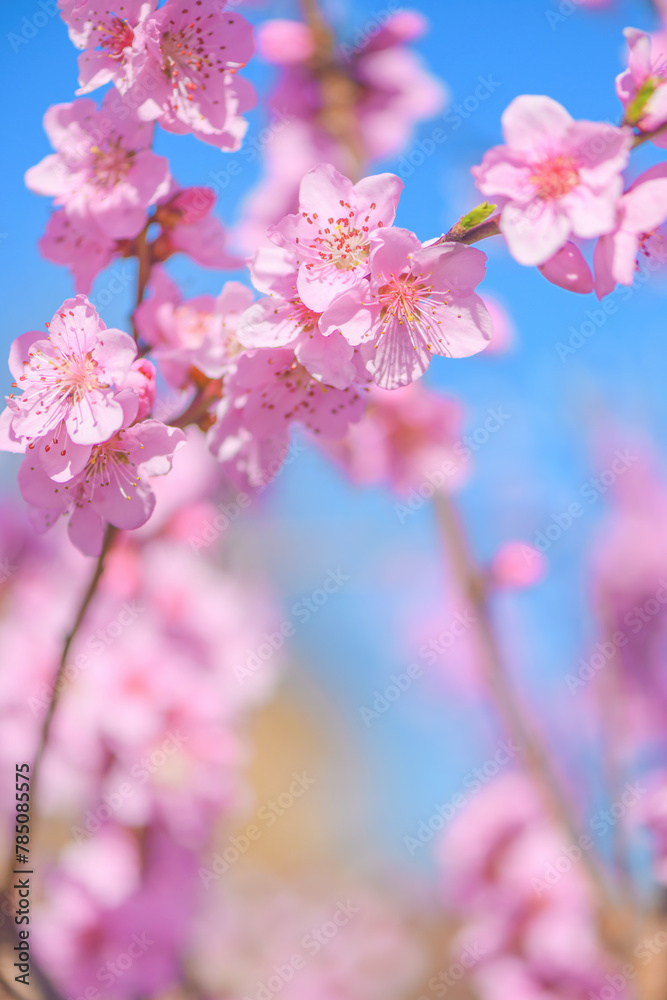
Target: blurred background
(540, 425)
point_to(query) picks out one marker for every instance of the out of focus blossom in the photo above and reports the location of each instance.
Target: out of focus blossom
(642, 87)
(568, 269)
(641, 212)
(103, 170)
(554, 178)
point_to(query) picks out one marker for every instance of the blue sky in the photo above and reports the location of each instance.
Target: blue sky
(532, 468)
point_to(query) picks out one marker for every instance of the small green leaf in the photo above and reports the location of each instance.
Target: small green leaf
(476, 215)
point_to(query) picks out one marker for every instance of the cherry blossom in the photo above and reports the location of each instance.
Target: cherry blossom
(282, 319)
(196, 334)
(568, 269)
(554, 177)
(187, 226)
(330, 234)
(79, 245)
(113, 41)
(268, 391)
(69, 378)
(641, 87)
(420, 301)
(103, 171)
(641, 211)
(112, 488)
(190, 71)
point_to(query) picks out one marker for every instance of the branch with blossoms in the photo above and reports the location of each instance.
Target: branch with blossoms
(351, 308)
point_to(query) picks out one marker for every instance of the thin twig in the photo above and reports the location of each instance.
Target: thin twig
(473, 584)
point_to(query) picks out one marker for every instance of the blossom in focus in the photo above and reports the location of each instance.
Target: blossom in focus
(553, 178)
(195, 334)
(642, 87)
(113, 487)
(420, 301)
(103, 171)
(190, 68)
(408, 438)
(69, 378)
(267, 392)
(330, 234)
(282, 319)
(112, 39)
(641, 211)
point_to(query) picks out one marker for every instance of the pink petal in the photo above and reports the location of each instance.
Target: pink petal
(534, 233)
(568, 269)
(532, 121)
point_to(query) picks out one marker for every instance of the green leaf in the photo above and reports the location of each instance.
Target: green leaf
(477, 215)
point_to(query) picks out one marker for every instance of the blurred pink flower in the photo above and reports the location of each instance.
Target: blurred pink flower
(79, 245)
(568, 269)
(103, 170)
(641, 211)
(642, 86)
(554, 177)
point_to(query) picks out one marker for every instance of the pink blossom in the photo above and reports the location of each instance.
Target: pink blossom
(504, 331)
(140, 383)
(187, 226)
(113, 42)
(568, 269)
(517, 564)
(282, 319)
(79, 245)
(554, 177)
(641, 87)
(195, 334)
(408, 439)
(113, 488)
(419, 301)
(641, 211)
(330, 234)
(190, 71)
(103, 171)
(268, 391)
(69, 379)
(284, 42)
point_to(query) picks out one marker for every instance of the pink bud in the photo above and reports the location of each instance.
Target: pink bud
(569, 270)
(517, 564)
(141, 378)
(285, 42)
